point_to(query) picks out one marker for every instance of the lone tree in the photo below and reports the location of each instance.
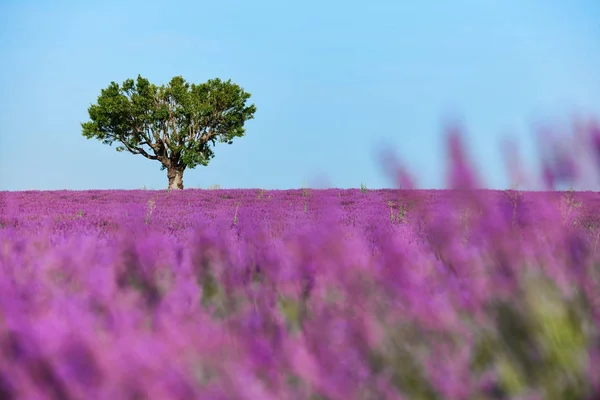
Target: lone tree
(177, 124)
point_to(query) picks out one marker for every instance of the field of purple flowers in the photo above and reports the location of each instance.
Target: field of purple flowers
(302, 294)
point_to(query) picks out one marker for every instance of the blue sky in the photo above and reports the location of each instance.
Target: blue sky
(333, 81)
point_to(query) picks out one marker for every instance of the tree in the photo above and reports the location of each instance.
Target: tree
(177, 124)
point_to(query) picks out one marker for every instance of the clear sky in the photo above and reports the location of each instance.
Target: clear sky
(333, 81)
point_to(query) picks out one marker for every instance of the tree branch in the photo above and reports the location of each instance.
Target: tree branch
(138, 150)
(207, 135)
(140, 131)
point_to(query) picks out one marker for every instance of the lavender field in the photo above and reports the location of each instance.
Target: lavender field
(301, 294)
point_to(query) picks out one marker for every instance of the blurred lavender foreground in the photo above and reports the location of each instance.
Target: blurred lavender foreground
(334, 294)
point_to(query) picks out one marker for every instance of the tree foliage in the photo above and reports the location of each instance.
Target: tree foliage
(178, 124)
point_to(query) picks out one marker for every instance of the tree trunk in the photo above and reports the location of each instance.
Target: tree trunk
(175, 176)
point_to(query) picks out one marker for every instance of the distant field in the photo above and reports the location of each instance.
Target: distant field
(168, 210)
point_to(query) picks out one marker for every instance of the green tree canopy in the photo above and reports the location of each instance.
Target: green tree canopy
(178, 124)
